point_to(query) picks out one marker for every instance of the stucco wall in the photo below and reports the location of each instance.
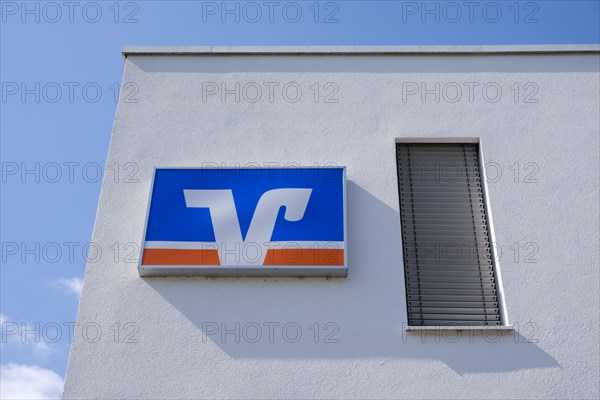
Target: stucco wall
(553, 302)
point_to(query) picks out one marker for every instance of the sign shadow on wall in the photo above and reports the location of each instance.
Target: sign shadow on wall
(357, 317)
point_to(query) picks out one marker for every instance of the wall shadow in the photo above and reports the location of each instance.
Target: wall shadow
(358, 317)
(368, 64)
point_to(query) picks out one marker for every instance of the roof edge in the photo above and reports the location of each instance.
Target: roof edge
(360, 50)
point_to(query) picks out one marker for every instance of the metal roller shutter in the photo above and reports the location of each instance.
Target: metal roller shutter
(448, 265)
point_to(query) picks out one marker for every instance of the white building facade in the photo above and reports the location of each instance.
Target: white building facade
(531, 111)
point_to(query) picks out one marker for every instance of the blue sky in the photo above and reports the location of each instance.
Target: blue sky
(60, 68)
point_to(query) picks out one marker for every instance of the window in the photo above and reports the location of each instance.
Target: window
(448, 261)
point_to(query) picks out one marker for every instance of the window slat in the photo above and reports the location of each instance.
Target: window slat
(453, 304)
(441, 322)
(462, 298)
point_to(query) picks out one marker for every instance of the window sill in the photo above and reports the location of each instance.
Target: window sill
(474, 328)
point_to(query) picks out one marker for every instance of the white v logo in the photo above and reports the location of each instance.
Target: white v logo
(225, 221)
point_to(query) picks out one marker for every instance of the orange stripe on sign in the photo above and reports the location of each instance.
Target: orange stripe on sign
(180, 257)
(293, 256)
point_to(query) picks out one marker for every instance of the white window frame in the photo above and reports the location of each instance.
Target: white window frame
(505, 324)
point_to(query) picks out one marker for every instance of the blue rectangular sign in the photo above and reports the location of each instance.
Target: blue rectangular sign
(246, 221)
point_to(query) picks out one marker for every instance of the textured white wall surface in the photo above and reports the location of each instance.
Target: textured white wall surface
(550, 211)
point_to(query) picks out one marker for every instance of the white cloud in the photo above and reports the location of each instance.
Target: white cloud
(24, 336)
(29, 382)
(73, 285)
(42, 349)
